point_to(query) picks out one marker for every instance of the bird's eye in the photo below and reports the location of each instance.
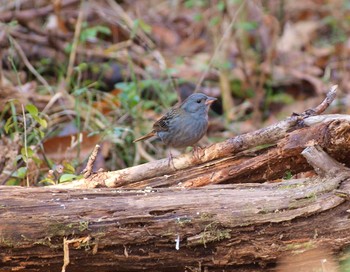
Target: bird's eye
(199, 101)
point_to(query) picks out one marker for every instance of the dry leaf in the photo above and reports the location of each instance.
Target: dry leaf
(69, 147)
(297, 35)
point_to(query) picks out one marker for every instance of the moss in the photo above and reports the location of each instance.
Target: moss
(300, 247)
(213, 233)
(83, 225)
(312, 196)
(204, 216)
(183, 221)
(60, 229)
(290, 186)
(47, 242)
(214, 236)
(5, 242)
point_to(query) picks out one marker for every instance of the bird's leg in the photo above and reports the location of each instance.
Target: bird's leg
(197, 152)
(170, 160)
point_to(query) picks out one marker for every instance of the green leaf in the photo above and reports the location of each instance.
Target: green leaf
(103, 29)
(30, 153)
(221, 6)
(37, 160)
(17, 159)
(280, 98)
(214, 21)
(47, 181)
(9, 124)
(80, 91)
(145, 27)
(33, 111)
(68, 168)
(287, 175)
(134, 28)
(248, 26)
(198, 17)
(13, 181)
(42, 122)
(40, 133)
(82, 66)
(189, 4)
(67, 177)
(91, 32)
(68, 48)
(20, 173)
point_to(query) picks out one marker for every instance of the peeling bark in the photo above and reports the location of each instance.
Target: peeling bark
(248, 166)
(221, 158)
(245, 226)
(231, 227)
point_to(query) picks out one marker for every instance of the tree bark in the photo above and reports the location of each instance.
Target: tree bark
(265, 163)
(232, 227)
(225, 160)
(244, 227)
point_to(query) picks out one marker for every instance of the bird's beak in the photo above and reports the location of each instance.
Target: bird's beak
(210, 100)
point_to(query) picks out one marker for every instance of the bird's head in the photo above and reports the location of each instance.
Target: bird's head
(197, 102)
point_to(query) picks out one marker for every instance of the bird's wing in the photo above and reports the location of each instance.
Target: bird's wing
(163, 123)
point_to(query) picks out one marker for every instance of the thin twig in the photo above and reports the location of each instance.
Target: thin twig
(25, 142)
(1, 72)
(73, 53)
(218, 47)
(90, 164)
(29, 14)
(66, 243)
(130, 23)
(143, 152)
(29, 65)
(327, 101)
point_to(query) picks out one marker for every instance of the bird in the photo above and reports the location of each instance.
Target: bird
(183, 125)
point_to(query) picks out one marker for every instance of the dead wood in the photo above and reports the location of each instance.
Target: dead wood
(226, 162)
(266, 164)
(244, 227)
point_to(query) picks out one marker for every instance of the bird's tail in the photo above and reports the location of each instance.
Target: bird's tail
(145, 137)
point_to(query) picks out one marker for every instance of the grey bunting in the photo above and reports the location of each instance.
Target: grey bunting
(183, 125)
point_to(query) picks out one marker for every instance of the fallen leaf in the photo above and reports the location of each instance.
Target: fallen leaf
(296, 35)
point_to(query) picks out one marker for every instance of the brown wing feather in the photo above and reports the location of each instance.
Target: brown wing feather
(161, 124)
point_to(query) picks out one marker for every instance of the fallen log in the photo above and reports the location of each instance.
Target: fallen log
(243, 227)
(231, 161)
(232, 227)
(265, 164)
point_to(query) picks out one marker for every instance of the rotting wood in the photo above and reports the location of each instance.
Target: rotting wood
(243, 226)
(219, 152)
(266, 164)
(254, 166)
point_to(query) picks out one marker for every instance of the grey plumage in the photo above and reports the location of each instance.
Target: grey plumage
(183, 125)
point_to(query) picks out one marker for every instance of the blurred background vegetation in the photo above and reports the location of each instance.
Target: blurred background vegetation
(78, 73)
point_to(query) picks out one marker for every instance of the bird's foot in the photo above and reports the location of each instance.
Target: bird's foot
(198, 152)
(171, 160)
